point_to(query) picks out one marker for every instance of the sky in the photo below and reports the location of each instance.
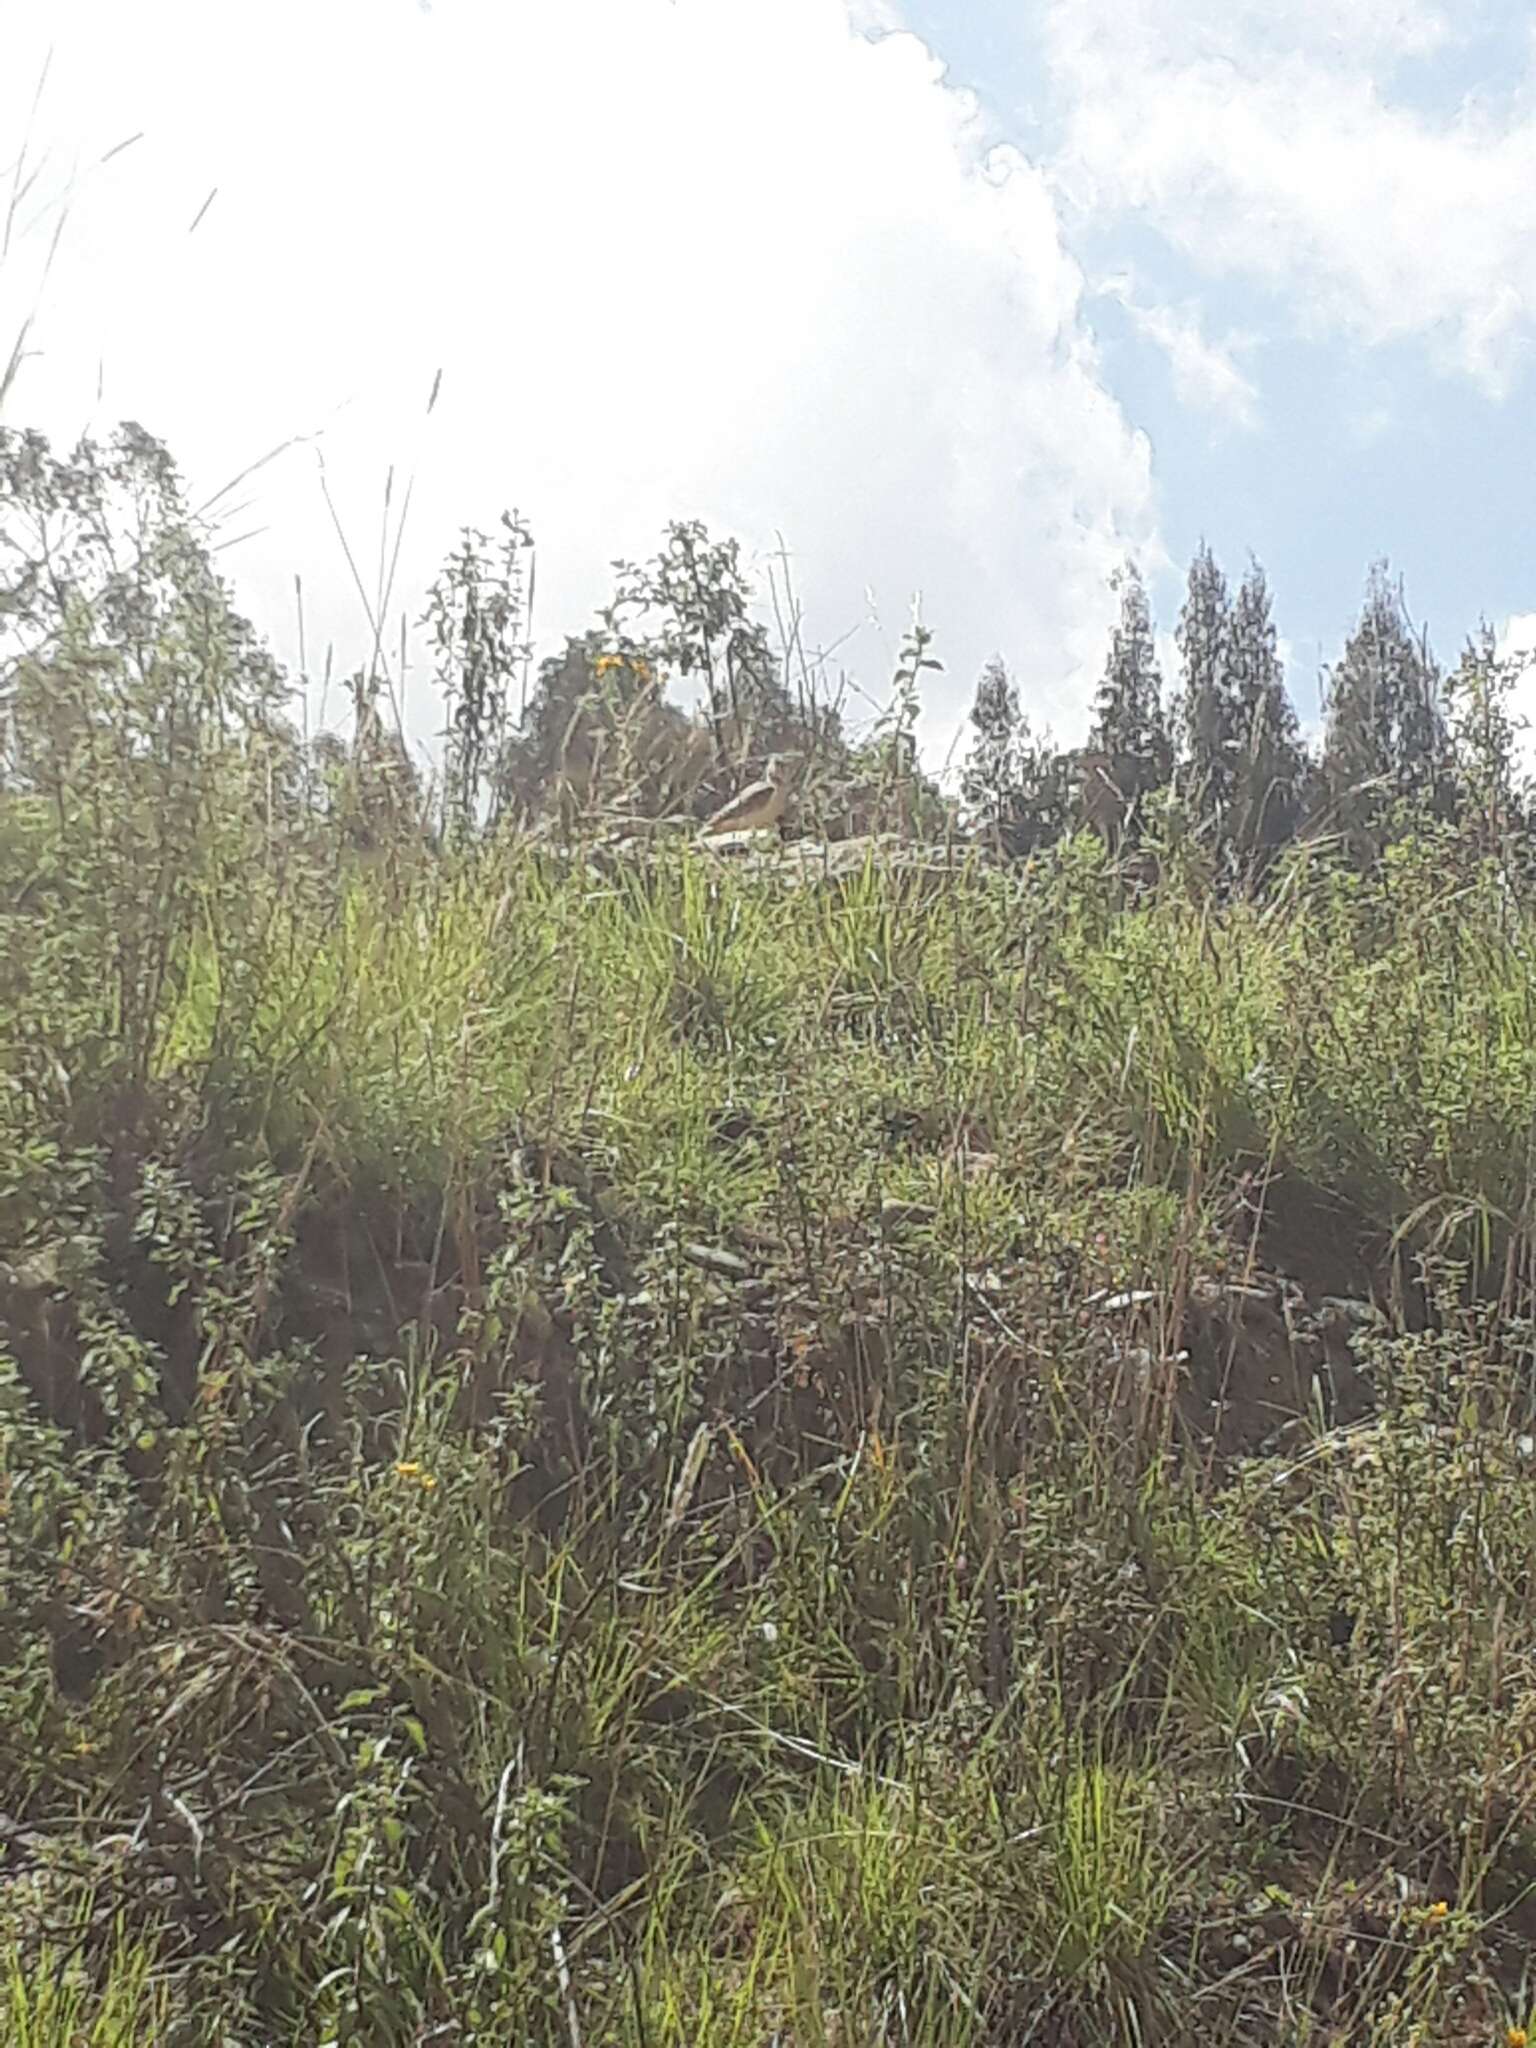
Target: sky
(958, 302)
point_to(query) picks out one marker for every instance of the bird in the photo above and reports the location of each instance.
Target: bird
(757, 808)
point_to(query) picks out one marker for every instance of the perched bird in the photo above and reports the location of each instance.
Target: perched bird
(757, 808)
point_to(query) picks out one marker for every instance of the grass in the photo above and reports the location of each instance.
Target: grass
(487, 1611)
(622, 1453)
(47, 1998)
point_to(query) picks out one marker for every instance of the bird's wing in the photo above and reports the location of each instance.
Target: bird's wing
(730, 815)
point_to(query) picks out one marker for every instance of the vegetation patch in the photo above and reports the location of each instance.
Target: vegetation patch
(601, 1449)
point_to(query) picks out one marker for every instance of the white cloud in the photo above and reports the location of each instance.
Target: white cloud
(1206, 377)
(1263, 142)
(717, 258)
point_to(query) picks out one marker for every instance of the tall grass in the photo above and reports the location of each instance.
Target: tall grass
(48, 2000)
(605, 1452)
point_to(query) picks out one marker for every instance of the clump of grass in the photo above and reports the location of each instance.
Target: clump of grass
(99, 1992)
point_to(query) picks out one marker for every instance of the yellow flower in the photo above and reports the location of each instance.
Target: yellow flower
(633, 662)
(408, 1469)
(1516, 2037)
(1437, 1911)
(428, 1483)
